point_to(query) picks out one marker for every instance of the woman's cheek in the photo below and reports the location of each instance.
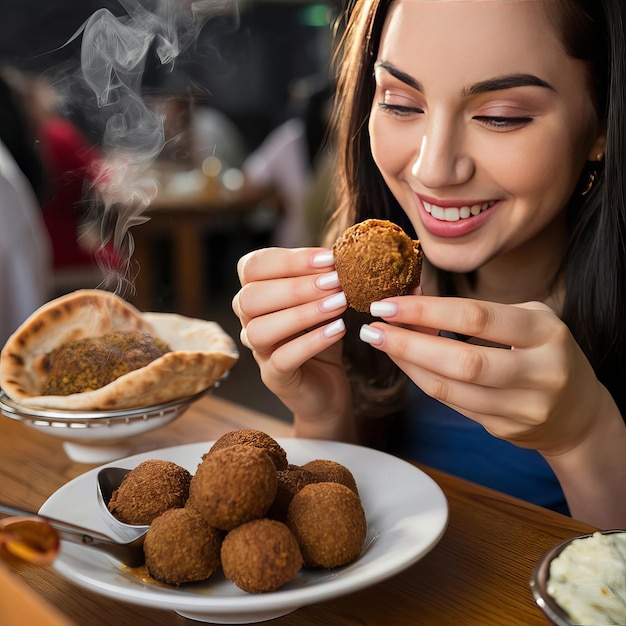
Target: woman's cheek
(393, 151)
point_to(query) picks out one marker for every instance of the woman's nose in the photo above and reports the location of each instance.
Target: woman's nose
(442, 160)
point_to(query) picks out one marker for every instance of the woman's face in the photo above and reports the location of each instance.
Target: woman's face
(480, 126)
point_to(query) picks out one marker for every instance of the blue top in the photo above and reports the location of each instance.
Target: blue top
(442, 438)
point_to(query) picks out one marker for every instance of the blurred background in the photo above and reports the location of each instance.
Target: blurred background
(244, 58)
(161, 141)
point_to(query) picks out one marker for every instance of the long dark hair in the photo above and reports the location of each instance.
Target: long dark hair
(594, 266)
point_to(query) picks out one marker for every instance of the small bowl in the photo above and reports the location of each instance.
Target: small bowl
(97, 436)
(541, 578)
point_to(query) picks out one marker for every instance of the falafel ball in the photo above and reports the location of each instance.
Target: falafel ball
(260, 556)
(376, 259)
(290, 481)
(251, 437)
(329, 523)
(148, 490)
(327, 471)
(233, 486)
(180, 547)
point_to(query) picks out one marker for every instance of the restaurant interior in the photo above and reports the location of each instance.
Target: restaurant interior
(179, 113)
(246, 66)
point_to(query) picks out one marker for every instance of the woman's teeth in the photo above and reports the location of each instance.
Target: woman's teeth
(453, 213)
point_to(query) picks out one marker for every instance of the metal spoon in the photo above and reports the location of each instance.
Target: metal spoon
(109, 479)
(130, 552)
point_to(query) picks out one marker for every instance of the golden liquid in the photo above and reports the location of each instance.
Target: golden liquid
(28, 540)
(141, 573)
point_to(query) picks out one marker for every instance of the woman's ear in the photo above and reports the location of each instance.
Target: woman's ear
(598, 148)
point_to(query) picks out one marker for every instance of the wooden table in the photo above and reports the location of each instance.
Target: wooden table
(182, 219)
(478, 574)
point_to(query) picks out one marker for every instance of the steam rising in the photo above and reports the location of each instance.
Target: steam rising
(113, 56)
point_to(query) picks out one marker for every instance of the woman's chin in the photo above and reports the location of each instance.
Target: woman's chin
(452, 263)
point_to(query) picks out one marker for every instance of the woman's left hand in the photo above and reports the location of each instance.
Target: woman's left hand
(527, 382)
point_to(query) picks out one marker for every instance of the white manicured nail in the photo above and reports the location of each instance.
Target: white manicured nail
(334, 302)
(334, 329)
(383, 309)
(328, 281)
(370, 335)
(323, 259)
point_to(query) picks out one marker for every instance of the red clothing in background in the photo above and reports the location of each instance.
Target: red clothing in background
(70, 162)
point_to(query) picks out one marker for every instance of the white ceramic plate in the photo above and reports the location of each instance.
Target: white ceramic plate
(406, 512)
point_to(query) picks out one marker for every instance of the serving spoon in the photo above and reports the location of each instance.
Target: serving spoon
(109, 479)
(128, 552)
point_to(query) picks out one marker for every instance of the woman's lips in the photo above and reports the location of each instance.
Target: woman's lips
(455, 213)
(454, 220)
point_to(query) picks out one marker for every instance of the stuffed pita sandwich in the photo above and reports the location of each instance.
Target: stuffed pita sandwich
(193, 355)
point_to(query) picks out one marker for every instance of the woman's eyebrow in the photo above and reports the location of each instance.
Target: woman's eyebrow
(506, 82)
(401, 76)
(510, 81)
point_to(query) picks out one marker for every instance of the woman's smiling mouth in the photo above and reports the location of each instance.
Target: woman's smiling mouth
(455, 213)
(450, 220)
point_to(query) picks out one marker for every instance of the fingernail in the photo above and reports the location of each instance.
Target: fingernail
(383, 309)
(323, 259)
(334, 302)
(334, 329)
(370, 335)
(328, 281)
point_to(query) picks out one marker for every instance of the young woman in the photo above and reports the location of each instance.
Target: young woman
(494, 132)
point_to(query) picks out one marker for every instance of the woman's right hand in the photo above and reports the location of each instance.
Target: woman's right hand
(289, 306)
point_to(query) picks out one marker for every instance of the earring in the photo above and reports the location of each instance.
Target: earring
(592, 174)
(591, 178)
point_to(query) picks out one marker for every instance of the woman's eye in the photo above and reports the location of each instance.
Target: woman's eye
(503, 123)
(399, 110)
(397, 103)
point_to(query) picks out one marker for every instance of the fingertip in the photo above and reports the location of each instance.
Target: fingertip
(334, 328)
(328, 281)
(323, 258)
(243, 337)
(383, 309)
(241, 266)
(334, 302)
(371, 335)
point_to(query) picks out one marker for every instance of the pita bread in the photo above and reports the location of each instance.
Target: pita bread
(201, 354)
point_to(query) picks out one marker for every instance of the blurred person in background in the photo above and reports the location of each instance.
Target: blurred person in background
(16, 131)
(193, 128)
(215, 134)
(24, 243)
(25, 253)
(286, 163)
(71, 164)
(195, 135)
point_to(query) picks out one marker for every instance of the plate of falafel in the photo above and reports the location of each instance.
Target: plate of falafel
(249, 528)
